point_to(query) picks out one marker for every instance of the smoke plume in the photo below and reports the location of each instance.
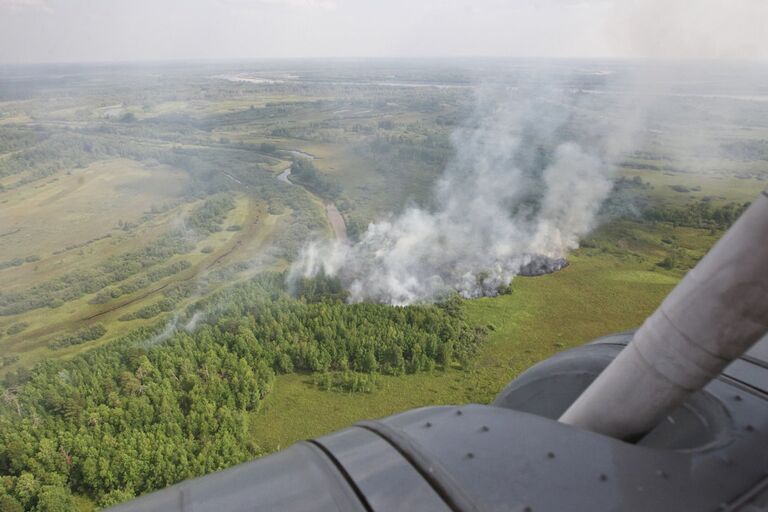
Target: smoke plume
(522, 185)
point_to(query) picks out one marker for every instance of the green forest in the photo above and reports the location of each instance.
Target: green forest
(150, 410)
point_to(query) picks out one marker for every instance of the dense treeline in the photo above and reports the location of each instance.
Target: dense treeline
(163, 305)
(154, 408)
(131, 420)
(628, 198)
(304, 171)
(432, 149)
(56, 150)
(90, 333)
(53, 293)
(53, 152)
(319, 288)
(172, 297)
(140, 282)
(698, 215)
(208, 217)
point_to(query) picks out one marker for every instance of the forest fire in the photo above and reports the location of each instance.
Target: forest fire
(541, 265)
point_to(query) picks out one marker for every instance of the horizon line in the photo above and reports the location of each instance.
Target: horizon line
(222, 60)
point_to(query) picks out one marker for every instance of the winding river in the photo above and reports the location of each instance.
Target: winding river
(331, 212)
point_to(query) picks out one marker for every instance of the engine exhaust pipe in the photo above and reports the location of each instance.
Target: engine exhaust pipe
(714, 315)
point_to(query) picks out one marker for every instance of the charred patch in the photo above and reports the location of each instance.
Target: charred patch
(540, 265)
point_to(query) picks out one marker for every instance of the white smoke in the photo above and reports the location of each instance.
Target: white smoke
(171, 327)
(518, 187)
(193, 322)
(168, 330)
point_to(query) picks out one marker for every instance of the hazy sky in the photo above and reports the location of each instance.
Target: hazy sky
(119, 30)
